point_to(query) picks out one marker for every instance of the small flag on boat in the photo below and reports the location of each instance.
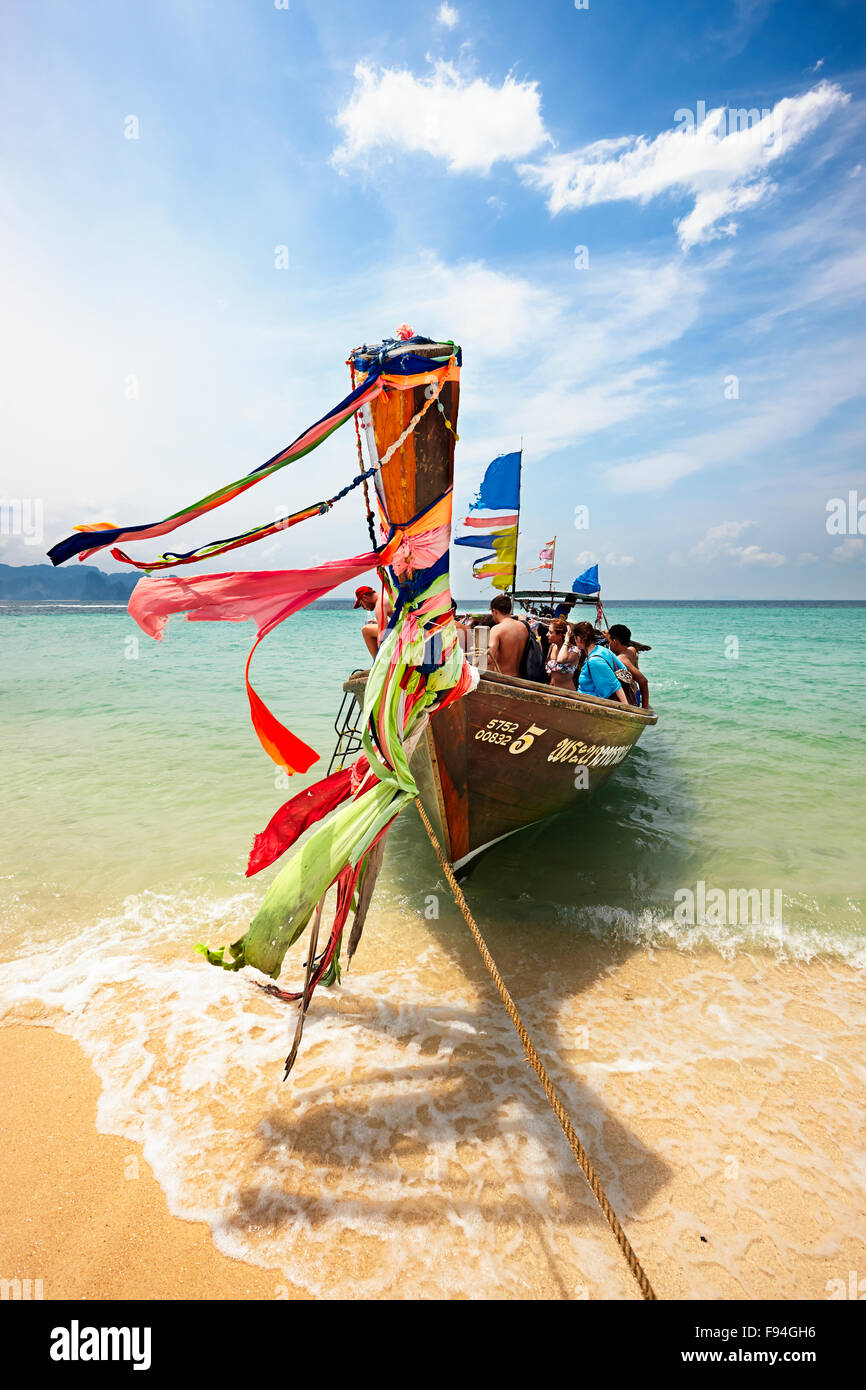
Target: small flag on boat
(545, 555)
(493, 522)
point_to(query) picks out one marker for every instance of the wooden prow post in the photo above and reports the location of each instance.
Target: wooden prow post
(423, 467)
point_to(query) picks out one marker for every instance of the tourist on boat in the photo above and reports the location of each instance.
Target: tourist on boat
(508, 638)
(598, 668)
(619, 640)
(563, 656)
(619, 637)
(378, 604)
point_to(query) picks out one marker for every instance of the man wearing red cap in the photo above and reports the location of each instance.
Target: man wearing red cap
(367, 598)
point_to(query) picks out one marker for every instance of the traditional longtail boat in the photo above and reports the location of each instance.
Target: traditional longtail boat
(511, 752)
(487, 753)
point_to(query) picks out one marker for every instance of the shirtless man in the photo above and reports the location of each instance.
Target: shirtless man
(367, 598)
(507, 639)
(619, 637)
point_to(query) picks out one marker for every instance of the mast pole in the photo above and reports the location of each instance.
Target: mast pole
(552, 563)
(517, 523)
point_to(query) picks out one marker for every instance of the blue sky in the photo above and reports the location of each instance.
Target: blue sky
(694, 377)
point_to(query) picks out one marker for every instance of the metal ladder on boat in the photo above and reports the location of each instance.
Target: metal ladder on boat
(348, 726)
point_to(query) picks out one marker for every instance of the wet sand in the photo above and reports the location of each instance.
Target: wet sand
(721, 1102)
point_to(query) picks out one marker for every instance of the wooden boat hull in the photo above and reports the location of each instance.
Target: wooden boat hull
(513, 753)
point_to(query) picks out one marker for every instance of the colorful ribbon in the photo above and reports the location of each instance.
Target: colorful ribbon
(172, 560)
(402, 375)
(265, 597)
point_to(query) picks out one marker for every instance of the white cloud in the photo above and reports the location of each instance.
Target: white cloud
(722, 165)
(717, 540)
(818, 66)
(717, 544)
(807, 558)
(849, 552)
(448, 16)
(754, 555)
(466, 121)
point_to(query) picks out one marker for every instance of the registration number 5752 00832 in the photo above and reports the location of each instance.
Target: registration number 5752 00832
(501, 732)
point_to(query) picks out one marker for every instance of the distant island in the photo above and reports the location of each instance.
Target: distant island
(87, 584)
(79, 583)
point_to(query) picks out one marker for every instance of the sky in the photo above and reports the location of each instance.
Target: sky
(643, 223)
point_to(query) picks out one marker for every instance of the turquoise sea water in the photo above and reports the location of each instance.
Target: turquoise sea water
(131, 766)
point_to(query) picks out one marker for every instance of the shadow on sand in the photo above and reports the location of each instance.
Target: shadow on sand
(460, 1129)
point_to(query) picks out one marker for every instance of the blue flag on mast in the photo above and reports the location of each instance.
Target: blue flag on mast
(492, 523)
(586, 583)
(500, 486)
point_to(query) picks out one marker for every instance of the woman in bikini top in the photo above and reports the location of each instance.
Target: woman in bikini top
(563, 656)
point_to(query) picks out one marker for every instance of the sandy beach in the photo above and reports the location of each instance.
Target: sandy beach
(82, 1211)
(726, 1135)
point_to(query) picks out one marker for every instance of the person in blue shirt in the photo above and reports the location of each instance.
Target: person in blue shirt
(599, 666)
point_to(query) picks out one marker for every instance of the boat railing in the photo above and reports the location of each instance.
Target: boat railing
(532, 690)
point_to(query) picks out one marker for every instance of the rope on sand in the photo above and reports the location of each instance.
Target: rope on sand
(538, 1066)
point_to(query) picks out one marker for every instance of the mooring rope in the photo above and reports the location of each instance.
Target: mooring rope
(538, 1066)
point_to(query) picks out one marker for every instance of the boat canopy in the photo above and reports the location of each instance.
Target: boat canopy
(542, 603)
